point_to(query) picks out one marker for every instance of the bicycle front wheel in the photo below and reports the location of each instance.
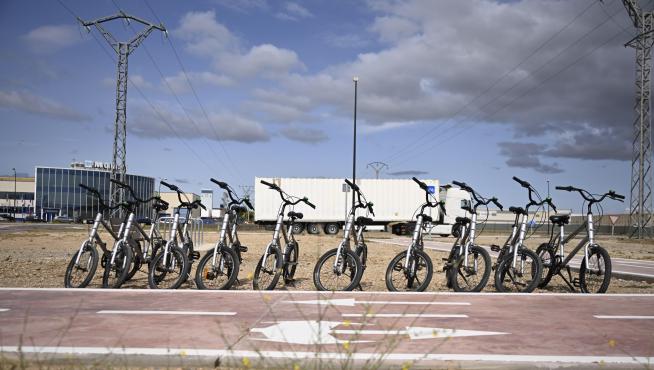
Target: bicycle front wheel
(79, 275)
(474, 277)
(414, 279)
(335, 271)
(547, 258)
(266, 277)
(292, 252)
(218, 274)
(595, 274)
(169, 272)
(115, 273)
(524, 277)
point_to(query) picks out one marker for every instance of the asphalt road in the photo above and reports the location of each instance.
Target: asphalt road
(282, 328)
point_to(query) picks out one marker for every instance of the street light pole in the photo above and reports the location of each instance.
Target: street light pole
(354, 151)
(15, 194)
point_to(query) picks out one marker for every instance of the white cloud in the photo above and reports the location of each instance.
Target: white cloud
(391, 29)
(305, 135)
(265, 59)
(26, 102)
(204, 35)
(52, 38)
(293, 11)
(179, 83)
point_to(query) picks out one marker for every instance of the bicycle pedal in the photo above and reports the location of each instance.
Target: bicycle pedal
(195, 255)
(445, 259)
(242, 248)
(495, 248)
(576, 283)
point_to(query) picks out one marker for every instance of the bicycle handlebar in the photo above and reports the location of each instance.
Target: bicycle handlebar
(170, 186)
(422, 185)
(306, 200)
(497, 203)
(590, 198)
(353, 186)
(524, 184)
(221, 184)
(247, 201)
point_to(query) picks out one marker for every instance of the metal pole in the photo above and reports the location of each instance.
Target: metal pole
(14, 193)
(548, 207)
(354, 151)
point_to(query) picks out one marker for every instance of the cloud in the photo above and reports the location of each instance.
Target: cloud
(408, 173)
(179, 84)
(26, 102)
(346, 41)
(181, 181)
(204, 35)
(225, 126)
(293, 12)
(267, 59)
(391, 28)
(527, 155)
(305, 135)
(52, 38)
(243, 6)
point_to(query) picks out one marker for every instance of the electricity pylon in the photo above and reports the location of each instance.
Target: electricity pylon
(122, 49)
(377, 167)
(641, 164)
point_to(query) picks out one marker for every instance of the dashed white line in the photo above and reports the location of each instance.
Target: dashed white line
(430, 315)
(192, 313)
(4, 309)
(623, 317)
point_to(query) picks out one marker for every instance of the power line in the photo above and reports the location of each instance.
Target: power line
(425, 135)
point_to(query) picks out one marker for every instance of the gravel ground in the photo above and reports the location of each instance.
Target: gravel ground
(38, 258)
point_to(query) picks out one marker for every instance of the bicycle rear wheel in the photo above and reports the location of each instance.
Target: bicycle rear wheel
(414, 279)
(524, 277)
(80, 275)
(219, 275)
(266, 277)
(547, 258)
(115, 273)
(474, 277)
(345, 276)
(169, 272)
(595, 274)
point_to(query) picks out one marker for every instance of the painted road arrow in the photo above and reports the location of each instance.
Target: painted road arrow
(350, 302)
(321, 332)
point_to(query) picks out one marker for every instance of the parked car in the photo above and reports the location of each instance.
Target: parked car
(64, 219)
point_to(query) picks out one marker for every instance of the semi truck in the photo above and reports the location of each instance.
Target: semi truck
(395, 203)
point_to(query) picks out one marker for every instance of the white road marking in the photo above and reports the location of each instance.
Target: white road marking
(4, 309)
(351, 302)
(432, 315)
(193, 313)
(297, 355)
(618, 317)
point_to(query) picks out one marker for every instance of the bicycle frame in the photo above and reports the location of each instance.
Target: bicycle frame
(94, 236)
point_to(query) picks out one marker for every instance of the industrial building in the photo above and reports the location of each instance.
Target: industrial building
(16, 196)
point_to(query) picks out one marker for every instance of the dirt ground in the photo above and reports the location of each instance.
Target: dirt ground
(38, 258)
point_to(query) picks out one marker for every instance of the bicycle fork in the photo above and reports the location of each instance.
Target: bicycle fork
(346, 237)
(92, 235)
(414, 241)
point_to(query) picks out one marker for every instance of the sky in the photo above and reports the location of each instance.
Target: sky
(476, 91)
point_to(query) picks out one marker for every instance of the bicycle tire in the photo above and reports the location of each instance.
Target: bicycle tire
(351, 262)
(584, 271)
(119, 268)
(450, 265)
(505, 270)
(398, 262)
(460, 271)
(362, 252)
(176, 257)
(90, 269)
(291, 258)
(206, 271)
(274, 271)
(548, 259)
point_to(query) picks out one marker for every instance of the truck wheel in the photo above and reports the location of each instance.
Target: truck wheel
(331, 229)
(443, 235)
(298, 228)
(313, 229)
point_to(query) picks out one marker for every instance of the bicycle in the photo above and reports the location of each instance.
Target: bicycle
(518, 268)
(173, 259)
(347, 265)
(594, 277)
(84, 263)
(225, 258)
(153, 239)
(410, 263)
(273, 263)
(468, 266)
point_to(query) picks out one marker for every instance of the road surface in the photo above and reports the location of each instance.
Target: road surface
(283, 328)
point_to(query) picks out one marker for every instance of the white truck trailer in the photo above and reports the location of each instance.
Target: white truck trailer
(395, 203)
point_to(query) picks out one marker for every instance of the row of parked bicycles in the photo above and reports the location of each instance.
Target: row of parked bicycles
(467, 268)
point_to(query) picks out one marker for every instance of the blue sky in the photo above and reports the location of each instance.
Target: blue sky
(477, 91)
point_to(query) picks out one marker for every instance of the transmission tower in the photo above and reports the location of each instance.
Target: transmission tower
(641, 164)
(123, 50)
(377, 167)
(247, 192)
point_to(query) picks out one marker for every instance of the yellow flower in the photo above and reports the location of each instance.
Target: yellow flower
(246, 362)
(346, 345)
(296, 367)
(182, 353)
(612, 343)
(347, 323)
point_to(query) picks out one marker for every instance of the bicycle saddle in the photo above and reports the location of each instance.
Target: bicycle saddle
(516, 210)
(462, 220)
(560, 219)
(363, 221)
(426, 218)
(297, 215)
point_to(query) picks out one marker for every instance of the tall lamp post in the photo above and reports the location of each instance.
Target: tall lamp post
(354, 151)
(15, 194)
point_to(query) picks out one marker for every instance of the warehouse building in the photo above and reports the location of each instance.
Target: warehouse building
(16, 196)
